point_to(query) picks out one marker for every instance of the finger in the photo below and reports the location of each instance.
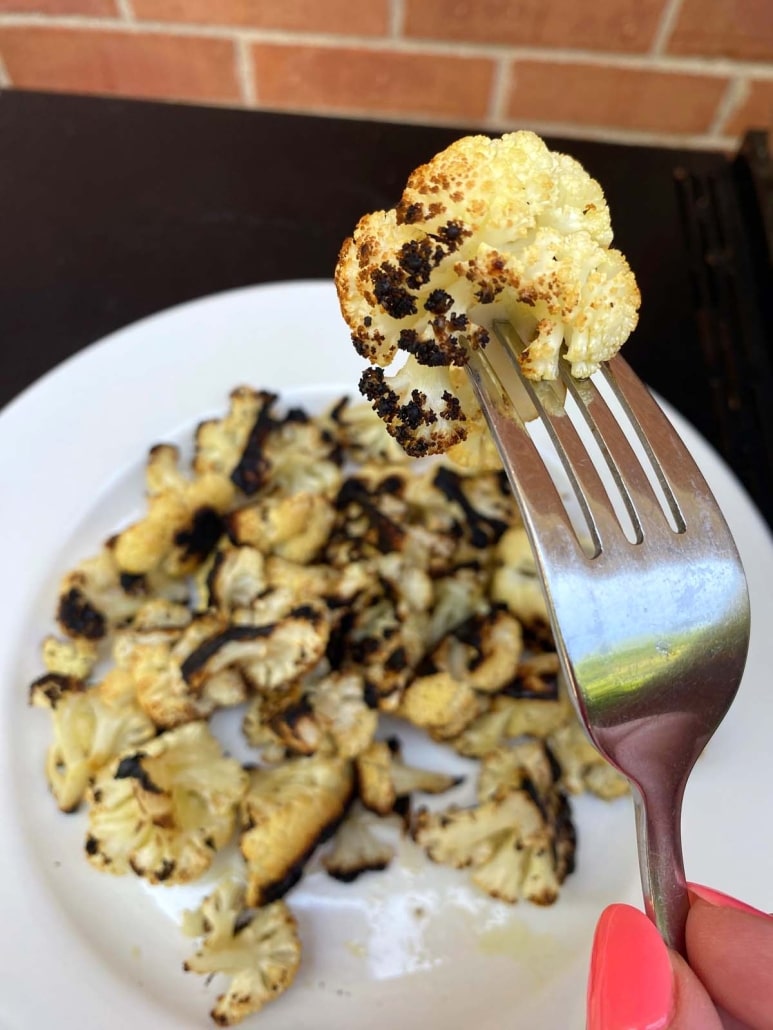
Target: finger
(631, 982)
(732, 953)
(693, 1008)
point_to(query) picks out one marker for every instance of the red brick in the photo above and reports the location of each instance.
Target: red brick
(368, 19)
(349, 79)
(122, 63)
(756, 111)
(95, 8)
(582, 94)
(724, 28)
(617, 25)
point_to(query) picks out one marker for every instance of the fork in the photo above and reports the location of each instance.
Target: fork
(647, 597)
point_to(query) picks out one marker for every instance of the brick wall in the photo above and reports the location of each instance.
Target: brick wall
(694, 72)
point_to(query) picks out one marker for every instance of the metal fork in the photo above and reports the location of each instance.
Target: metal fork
(652, 626)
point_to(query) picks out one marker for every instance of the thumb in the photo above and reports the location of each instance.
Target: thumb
(636, 983)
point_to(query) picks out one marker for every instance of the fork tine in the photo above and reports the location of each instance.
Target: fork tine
(534, 490)
(586, 482)
(682, 482)
(641, 501)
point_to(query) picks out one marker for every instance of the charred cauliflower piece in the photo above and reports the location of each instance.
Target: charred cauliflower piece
(286, 813)
(518, 842)
(233, 445)
(583, 768)
(155, 659)
(303, 456)
(489, 226)
(383, 648)
(233, 578)
(183, 520)
(356, 848)
(163, 811)
(295, 526)
(483, 652)
(384, 779)
(97, 596)
(515, 582)
(73, 658)
(329, 713)
(259, 949)
(269, 655)
(440, 704)
(89, 729)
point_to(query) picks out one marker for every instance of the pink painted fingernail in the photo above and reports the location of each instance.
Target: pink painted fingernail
(631, 984)
(722, 900)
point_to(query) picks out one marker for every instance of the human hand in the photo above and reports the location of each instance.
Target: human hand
(636, 983)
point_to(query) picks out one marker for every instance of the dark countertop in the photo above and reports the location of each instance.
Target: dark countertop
(111, 210)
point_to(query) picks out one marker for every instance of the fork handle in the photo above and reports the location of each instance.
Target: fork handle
(659, 839)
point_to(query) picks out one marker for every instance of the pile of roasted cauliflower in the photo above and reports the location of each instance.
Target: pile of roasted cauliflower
(304, 570)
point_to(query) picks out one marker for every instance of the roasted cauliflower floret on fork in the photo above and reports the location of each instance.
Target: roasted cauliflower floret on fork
(489, 228)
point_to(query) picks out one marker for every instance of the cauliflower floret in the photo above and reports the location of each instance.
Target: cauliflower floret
(259, 949)
(165, 810)
(97, 596)
(533, 704)
(583, 768)
(295, 526)
(484, 502)
(303, 456)
(329, 712)
(516, 582)
(488, 228)
(155, 661)
(440, 704)
(183, 521)
(382, 647)
(509, 841)
(356, 849)
(73, 658)
(231, 446)
(483, 652)
(232, 578)
(383, 778)
(269, 655)
(287, 812)
(90, 728)
(485, 733)
(458, 597)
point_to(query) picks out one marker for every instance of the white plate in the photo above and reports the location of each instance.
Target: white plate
(415, 946)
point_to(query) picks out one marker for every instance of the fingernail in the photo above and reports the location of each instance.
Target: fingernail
(722, 900)
(631, 984)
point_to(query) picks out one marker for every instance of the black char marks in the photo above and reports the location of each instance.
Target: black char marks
(253, 467)
(452, 234)
(196, 661)
(131, 767)
(483, 529)
(403, 419)
(204, 531)
(395, 299)
(78, 617)
(418, 259)
(389, 535)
